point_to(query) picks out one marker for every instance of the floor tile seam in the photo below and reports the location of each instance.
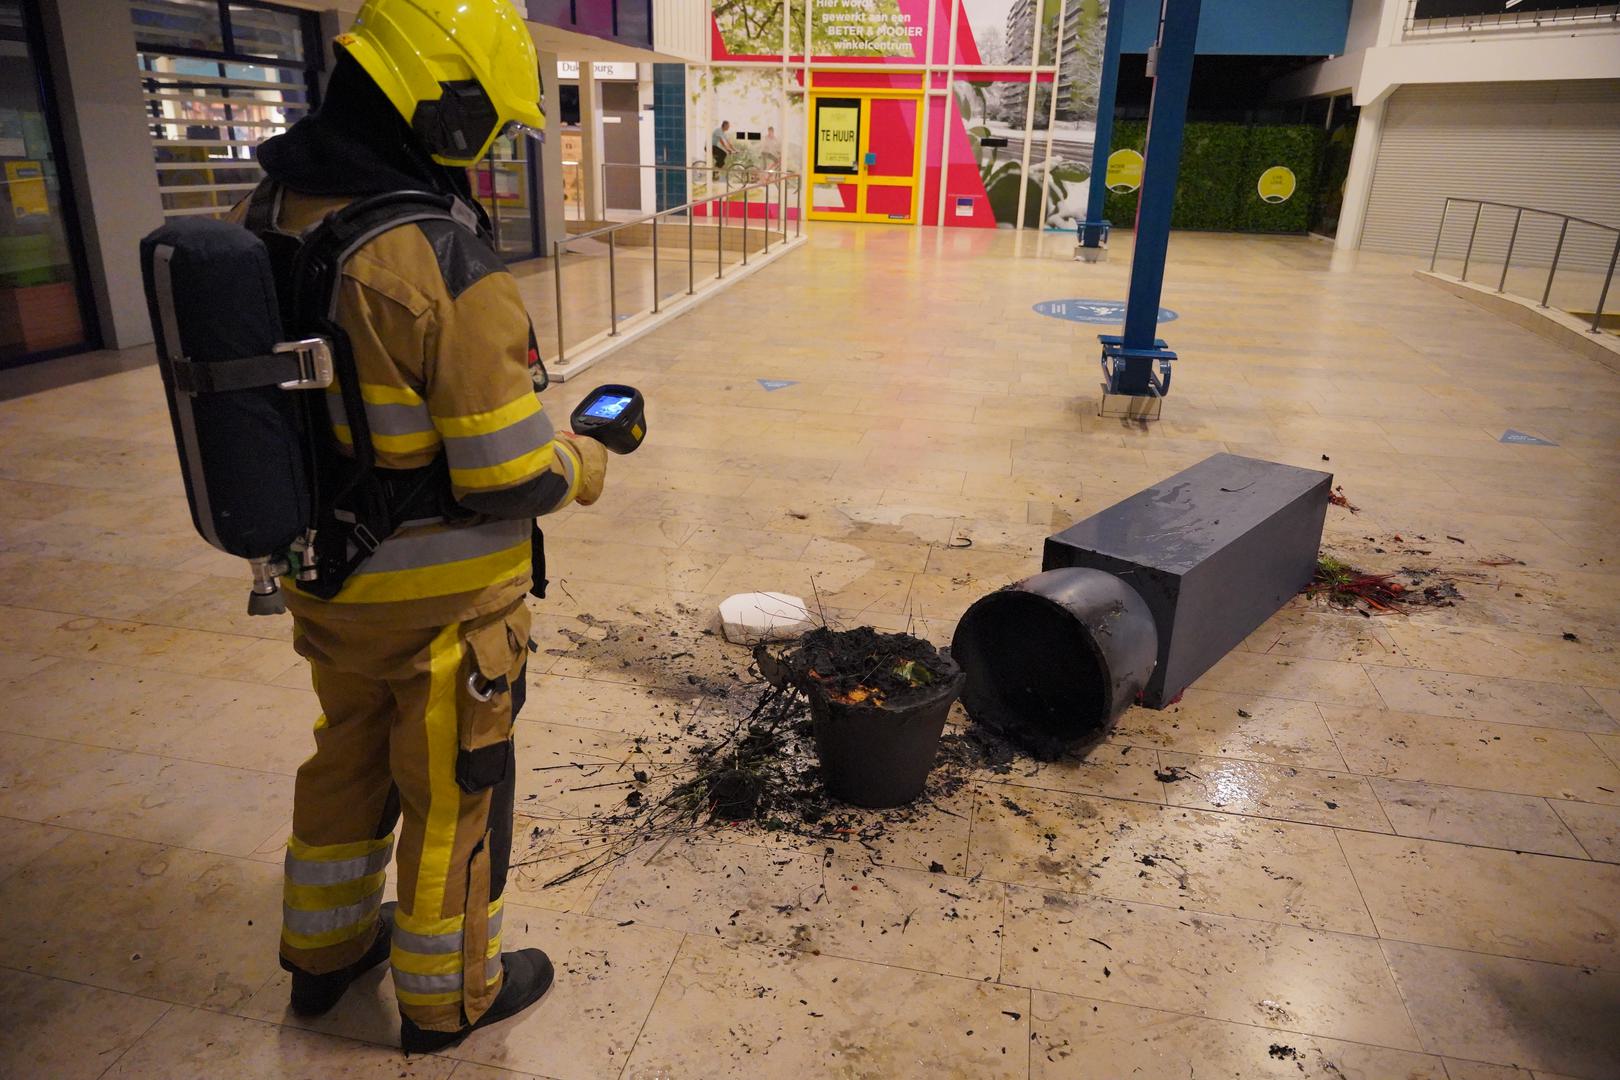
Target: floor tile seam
(1568, 829)
(144, 753)
(1400, 992)
(1306, 928)
(973, 820)
(248, 859)
(1378, 799)
(761, 841)
(138, 1039)
(626, 735)
(583, 575)
(1181, 909)
(8, 965)
(1603, 754)
(1167, 805)
(1411, 1024)
(104, 618)
(1485, 675)
(1360, 661)
(1126, 741)
(81, 656)
(1235, 1023)
(1524, 1071)
(1612, 967)
(1481, 720)
(7, 873)
(652, 1005)
(776, 948)
(1029, 1062)
(1306, 700)
(1470, 787)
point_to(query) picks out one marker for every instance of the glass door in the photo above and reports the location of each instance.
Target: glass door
(503, 182)
(865, 154)
(44, 307)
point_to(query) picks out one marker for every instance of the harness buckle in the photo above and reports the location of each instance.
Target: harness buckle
(314, 356)
(365, 538)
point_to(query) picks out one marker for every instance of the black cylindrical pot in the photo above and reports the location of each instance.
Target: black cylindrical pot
(1052, 661)
(876, 756)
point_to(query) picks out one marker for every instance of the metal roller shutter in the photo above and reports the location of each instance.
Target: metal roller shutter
(219, 77)
(1549, 145)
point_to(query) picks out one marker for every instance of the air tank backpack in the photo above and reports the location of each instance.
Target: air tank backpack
(248, 346)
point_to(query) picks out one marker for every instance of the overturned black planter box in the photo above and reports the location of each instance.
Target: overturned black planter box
(1138, 601)
(1052, 661)
(1214, 550)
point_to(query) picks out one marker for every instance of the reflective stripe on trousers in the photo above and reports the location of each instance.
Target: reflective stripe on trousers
(428, 967)
(331, 893)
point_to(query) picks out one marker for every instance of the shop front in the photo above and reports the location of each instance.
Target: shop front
(974, 113)
(45, 309)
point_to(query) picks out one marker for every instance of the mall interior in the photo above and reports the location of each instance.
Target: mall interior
(1330, 790)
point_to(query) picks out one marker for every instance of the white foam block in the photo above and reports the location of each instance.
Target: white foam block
(750, 618)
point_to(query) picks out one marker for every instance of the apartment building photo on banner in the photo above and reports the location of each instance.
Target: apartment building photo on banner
(977, 113)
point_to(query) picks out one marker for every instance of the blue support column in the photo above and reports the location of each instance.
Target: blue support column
(1094, 230)
(1129, 359)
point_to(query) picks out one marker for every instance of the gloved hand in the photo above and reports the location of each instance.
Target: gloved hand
(593, 466)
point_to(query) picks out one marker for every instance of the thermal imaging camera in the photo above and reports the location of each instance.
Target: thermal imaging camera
(613, 415)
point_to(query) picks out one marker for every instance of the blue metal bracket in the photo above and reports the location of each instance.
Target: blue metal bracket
(1102, 138)
(1130, 371)
(1129, 359)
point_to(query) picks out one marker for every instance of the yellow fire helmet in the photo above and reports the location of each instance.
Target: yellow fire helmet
(460, 72)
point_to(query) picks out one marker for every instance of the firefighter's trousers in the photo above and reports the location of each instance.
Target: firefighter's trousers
(416, 730)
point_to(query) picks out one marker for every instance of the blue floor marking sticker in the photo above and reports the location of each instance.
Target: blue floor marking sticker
(1512, 436)
(777, 384)
(1092, 311)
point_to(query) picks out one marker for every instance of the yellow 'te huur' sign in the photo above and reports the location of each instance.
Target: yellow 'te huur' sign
(837, 127)
(1277, 184)
(1124, 171)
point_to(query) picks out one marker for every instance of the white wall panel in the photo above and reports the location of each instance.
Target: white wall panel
(681, 28)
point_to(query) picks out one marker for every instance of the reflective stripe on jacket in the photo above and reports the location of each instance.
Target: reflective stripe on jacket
(441, 346)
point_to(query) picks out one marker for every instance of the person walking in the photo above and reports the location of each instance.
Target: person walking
(771, 152)
(721, 145)
(419, 660)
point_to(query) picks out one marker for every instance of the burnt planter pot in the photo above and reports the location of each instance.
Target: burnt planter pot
(879, 756)
(1052, 661)
(876, 749)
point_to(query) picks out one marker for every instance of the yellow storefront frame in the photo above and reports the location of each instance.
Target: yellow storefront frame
(861, 179)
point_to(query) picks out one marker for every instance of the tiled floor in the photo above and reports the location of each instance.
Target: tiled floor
(1394, 850)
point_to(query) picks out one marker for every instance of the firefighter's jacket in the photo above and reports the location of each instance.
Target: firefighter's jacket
(442, 343)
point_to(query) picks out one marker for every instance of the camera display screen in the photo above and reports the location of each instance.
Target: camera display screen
(607, 407)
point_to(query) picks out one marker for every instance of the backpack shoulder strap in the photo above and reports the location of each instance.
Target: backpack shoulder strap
(263, 208)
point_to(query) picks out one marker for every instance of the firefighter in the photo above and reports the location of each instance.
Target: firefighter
(418, 662)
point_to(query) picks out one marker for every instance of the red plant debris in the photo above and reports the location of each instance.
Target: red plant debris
(1338, 498)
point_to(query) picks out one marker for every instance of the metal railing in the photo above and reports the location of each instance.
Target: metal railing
(1519, 212)
(560, 247)
(736, 176)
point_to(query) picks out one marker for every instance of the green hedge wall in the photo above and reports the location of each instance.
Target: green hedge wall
(1220, 166)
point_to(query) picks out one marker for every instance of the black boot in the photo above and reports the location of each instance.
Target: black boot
(313, 995)
(528, 975)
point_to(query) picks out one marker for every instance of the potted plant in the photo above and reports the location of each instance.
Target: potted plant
(878, 704)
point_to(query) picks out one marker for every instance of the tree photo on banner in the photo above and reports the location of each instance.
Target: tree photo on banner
(1015, 130)
(995, 107)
